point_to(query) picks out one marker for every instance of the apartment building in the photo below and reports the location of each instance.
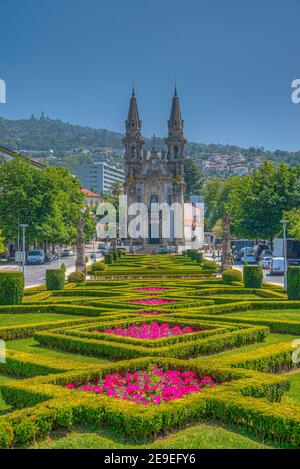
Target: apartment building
(98, 177)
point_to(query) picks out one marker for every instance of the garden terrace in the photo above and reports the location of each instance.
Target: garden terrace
(241, 339)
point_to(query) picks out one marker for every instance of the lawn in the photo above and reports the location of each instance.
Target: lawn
(28, 318)
(203, 436)
(289, 314)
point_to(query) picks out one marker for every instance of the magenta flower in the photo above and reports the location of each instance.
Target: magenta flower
(148, 387)
(151, 331)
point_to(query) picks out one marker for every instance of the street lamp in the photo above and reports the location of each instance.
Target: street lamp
(284, 224)
(23, 226)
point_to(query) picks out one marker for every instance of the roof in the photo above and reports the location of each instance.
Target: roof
(89, 193)
(17, 155)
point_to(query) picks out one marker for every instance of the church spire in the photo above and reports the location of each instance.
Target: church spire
(175, 122)
(133, 122)
(133, 141)
(175, 140)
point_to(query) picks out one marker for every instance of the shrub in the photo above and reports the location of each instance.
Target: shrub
(115, 255)
(55, 279)
(11, 288)
(210, 265)
(293, 283)
(232, 275)
(253, 276)
(98, 266)
(108, 259)
(87, 260)
(63, 267)
(76, 277)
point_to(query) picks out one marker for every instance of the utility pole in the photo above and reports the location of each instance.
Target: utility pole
(284, 224)
(23, 226)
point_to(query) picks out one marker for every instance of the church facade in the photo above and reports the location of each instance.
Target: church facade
(156, 177)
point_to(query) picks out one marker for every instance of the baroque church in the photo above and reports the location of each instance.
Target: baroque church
(155, 177)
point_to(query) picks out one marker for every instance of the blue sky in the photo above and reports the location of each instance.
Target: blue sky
(234, 62)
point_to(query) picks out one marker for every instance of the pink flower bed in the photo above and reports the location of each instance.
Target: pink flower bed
(151, 313)
(152, 301)
(151, 289)
(150, 331)
(153, 386)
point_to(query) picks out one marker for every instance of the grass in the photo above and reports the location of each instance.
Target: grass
(293, 395)
(31, 346)
(203, 436)
(31, 318)
(289, 314)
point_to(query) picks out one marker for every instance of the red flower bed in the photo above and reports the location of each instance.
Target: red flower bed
(148, 387)
(152, 301)
(150, 331)
(151, 313)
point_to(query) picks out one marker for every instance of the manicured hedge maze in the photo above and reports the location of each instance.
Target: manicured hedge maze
(171, 312)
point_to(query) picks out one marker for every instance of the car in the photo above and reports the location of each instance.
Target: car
(266, 262)
(67, 253)
(277, 266)
(49, 257)
(248, 259)
(35, 256)
(161, 250)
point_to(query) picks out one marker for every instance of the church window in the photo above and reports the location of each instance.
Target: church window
(175, 152)
(132, 152)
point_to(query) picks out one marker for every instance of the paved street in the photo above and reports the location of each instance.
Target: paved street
(35, 274)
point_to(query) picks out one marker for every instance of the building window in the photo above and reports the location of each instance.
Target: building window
(175, 152)
(132, 152)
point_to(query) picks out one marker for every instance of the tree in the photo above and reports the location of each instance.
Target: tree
(293, 217)
(257, 202)
(48, 201)
(2, 245)
(193, 177)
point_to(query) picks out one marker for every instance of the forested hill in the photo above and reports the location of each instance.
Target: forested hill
(44, 134)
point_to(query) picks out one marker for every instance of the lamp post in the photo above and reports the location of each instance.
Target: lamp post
(23, 226)
(284, 224)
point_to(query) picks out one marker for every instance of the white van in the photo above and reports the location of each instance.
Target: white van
(36, 256)
(277, 266)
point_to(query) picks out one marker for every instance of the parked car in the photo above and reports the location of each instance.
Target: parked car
(277, 266)
(248, 259)
(67, 253)
(165, 250)
(36, 256)
(266, 262)
(51, 256)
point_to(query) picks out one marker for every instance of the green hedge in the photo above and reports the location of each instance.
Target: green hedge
(55, 279)
(108, 258)
(245, 400)
(232, 275)
(117, 351)
(77, 277)
(253, 276)
(11, 288)
(98, 266)
(293, 283)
